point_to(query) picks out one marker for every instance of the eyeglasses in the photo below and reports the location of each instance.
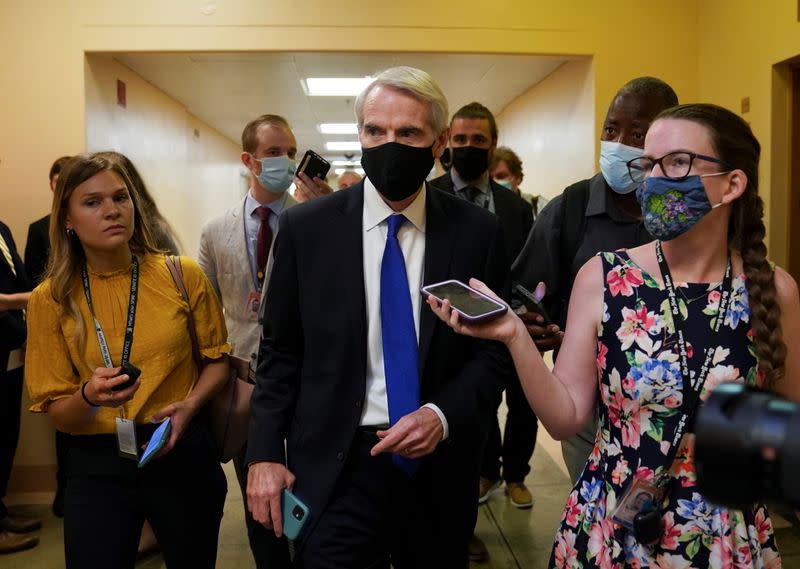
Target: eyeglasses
(675, 165)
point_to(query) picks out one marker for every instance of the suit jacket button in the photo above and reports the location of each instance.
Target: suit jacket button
(358, 403)
(340, 456)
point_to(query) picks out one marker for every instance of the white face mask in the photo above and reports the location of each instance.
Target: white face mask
(614, 157)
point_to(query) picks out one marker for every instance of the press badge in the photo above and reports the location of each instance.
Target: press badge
(126, 439)
(252, 306)
(639, 495)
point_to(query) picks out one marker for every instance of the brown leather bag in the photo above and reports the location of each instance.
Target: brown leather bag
(228, 412)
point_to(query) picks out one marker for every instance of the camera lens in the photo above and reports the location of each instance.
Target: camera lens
(298, 513)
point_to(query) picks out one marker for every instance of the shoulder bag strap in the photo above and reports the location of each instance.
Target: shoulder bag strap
(176, 270)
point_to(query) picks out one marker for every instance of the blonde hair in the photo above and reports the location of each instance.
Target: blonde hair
(66, 251)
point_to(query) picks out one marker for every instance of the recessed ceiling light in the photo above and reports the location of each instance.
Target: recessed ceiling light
(335, 86)
(338, 128)
(342, 145)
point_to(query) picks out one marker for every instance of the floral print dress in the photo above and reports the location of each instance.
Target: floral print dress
(641, 391)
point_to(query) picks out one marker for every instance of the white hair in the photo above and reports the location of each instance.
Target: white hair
(416, 83)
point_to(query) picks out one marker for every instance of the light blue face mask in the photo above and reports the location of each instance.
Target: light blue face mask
(505, 183)
(614, 157)
(277, 173)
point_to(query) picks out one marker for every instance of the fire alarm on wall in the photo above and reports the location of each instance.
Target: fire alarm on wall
(122, 96)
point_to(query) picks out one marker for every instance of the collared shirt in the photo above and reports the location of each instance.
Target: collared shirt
(482, 185)
(252, 222)
(411, 237)
(606, 228)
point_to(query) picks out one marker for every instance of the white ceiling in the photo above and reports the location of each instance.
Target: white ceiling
(228, 90)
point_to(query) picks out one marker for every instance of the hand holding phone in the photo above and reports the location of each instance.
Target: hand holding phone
(157, 441)
(295, 514)
(313, 165)
(471, 305)
(133, 374)
(530, 301)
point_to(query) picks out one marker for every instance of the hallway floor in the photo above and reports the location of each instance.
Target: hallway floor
(515, 538)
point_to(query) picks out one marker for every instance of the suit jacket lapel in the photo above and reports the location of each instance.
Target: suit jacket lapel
(440, 236)
(349, 226)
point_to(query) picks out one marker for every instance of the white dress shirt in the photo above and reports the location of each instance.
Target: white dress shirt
(411, 237)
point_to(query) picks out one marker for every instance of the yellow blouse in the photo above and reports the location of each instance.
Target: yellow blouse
(162, 346)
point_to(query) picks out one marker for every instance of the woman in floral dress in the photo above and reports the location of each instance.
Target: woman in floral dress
(699, 197)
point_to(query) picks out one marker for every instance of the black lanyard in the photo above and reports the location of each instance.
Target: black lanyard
(692, 389)
(101, 337)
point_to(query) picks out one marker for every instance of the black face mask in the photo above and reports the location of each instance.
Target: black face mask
(397, 170)
(470, 162)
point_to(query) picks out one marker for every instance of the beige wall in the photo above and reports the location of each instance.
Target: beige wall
(190, 177)
(742, 41)
(551, 128)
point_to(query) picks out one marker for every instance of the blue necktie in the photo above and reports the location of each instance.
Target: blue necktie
(400, 350)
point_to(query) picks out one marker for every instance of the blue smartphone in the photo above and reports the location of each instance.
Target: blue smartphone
(295, 514)
(157, 441)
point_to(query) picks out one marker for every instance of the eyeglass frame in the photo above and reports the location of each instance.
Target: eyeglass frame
(692, 157)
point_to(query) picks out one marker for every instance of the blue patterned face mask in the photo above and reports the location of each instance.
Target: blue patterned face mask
(672, 207)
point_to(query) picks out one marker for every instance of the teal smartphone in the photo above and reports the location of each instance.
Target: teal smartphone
(157, 441)
(295, 514)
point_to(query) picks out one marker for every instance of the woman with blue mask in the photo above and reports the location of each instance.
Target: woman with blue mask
(651, 332)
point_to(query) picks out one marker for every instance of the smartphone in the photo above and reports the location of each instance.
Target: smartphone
(295, 514)
(314, 166)
(133, 374)
(529, 301)
(157, 441)
(472, 306)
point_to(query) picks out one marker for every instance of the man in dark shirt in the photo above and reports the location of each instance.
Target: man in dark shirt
(598, 214)
(14, 293)
(37, 247)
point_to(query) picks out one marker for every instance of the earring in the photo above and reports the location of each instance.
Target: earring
(70, 232)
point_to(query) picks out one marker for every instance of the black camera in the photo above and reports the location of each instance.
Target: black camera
(298, 513)
(747, 449)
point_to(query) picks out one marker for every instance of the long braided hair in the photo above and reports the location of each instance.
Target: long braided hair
(736, 145)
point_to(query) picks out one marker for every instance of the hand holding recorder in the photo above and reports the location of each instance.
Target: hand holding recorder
(546, 334)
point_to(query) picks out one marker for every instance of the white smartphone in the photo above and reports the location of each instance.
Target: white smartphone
(471, 305)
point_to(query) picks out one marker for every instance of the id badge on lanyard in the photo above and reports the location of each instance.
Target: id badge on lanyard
(125, 428)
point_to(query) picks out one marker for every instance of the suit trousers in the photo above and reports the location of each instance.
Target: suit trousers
(269, 552)
(378, 516)
(10, 401)
(107, 498)
(518, 442)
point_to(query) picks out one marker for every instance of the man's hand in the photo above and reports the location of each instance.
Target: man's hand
(265, 484)
(413, 436)
(308, 189)
(545, 337)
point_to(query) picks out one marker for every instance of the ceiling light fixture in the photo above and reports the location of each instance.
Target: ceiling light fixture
(338, 128)
(335, 86)
(342, 145)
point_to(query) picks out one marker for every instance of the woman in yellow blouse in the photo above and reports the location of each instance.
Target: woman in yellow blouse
(108, 287)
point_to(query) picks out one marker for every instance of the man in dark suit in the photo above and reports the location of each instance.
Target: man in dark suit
(37, 246)
(473, 140)
(381, 405)
(14, 294)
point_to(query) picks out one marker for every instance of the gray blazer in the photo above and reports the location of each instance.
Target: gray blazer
(223, 257)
